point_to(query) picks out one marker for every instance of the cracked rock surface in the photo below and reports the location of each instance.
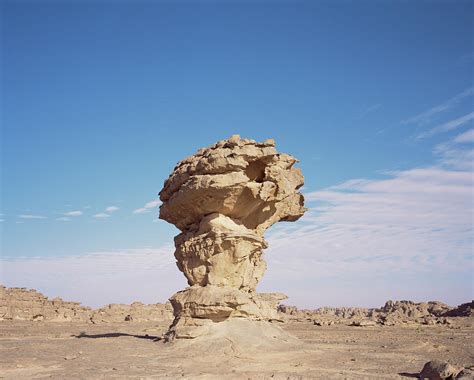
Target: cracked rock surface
(223, 199)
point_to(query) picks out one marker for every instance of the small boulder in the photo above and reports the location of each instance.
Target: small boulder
(438, 370)
(364, 323)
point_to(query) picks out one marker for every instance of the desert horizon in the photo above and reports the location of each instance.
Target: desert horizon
(284, 302)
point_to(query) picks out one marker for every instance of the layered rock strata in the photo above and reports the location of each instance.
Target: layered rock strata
(30, 305)
(392, 313)
(223, 199)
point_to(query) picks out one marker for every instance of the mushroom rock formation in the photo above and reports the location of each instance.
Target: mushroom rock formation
(223, 199)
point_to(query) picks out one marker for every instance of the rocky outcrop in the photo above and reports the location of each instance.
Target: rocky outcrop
(392, 313)
(136, 312)
(223, 199)
(30, 305)
(463, 310)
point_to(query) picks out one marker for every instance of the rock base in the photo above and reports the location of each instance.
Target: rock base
(240, 332)
(197, 309)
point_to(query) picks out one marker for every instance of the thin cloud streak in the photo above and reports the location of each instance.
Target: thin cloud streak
(73, 213)
(369, 110)
(148, 207)
(30, 216)
(466, 137)
(448, 126)
(428, 115)
(457, 153)
(101, 215)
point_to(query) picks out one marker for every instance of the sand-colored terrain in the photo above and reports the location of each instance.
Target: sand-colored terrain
(128, 350)
(52, 338)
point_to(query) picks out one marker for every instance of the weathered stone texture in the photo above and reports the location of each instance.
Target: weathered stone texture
(223, 199)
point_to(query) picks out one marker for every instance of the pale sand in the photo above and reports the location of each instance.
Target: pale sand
(127, 350)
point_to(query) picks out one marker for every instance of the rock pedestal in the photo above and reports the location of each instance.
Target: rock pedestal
(223, 199)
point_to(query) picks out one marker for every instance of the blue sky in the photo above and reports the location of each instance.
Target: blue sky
(101, 99)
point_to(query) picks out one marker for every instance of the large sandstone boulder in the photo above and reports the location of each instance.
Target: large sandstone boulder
(223, 199)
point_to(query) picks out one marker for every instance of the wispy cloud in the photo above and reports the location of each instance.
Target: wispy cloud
(466, 137)
(98, 278)
(428, 115)
(63, 219)
(401, 234)
(369, 110)
(73, 213)
(148, 207)
(101, 215)
(30, 216)
(448, 126)
(457, 153)
(108, 211)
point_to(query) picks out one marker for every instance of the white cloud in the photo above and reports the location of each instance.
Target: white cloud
(63, 219)
(466, 137)
(2, 220)
(428, 115)
(101, 215)
(457, 153)
(148, 206)
(73, 213)
(448, 126)
(30, 216)
(409, 235)
(112, 209)
(97, 278)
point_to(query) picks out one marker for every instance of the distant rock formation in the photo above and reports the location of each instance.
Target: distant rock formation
(223, 199)
(463, 310)
(136, 312)
(30, 305)
(392, 313)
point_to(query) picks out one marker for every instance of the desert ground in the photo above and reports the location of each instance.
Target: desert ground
(130, 350)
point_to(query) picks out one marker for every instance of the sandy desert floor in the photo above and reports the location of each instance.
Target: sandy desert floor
(69, 351)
